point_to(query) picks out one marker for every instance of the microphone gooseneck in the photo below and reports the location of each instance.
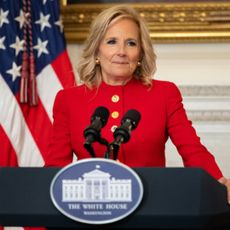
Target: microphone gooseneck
(122, 133)
(93, 132)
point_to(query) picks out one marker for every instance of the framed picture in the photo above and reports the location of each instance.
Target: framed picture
(168, 21)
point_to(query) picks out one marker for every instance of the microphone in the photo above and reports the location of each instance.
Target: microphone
(122, 133)
(98, 120)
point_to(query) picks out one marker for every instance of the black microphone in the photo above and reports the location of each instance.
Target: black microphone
(122, 133)
(98, 121)
(128, 123)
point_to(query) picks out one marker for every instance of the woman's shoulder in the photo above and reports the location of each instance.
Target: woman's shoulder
(71, 91)
(163, 84)
(166, 88)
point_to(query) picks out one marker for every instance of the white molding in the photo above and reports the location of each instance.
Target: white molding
(207, 103)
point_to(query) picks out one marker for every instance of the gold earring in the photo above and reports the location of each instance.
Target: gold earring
(97, 61)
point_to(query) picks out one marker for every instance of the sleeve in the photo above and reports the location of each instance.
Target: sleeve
(60, 149)
(184, 136)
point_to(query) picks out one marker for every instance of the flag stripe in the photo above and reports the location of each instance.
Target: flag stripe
(8, 155)
(45, 80)
(20, 136)
(39, 125)
(65, 75)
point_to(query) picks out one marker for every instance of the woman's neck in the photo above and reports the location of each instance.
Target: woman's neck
(117, 81)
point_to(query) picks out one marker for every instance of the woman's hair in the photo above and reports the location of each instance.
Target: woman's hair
(89, 72)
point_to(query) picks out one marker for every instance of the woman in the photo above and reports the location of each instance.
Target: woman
(116, 67)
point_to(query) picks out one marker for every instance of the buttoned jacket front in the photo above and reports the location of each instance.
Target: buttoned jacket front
(162, 116)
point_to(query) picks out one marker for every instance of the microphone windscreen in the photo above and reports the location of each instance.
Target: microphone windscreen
(134, 116)
(101, 112)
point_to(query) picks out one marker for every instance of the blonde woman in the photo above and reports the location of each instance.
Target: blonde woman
(116, 69)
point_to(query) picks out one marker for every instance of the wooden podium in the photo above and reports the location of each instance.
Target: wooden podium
(174, 198)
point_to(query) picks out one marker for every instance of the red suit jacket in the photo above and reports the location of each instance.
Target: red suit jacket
(162, 116)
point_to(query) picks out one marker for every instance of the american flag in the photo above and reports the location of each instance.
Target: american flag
(33, 26)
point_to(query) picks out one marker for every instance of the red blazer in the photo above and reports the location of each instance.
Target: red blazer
(162, 116)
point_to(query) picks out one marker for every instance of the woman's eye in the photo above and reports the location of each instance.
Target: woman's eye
(132, 43)
(111, 42)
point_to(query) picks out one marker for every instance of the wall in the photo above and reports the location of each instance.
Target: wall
(202, 71)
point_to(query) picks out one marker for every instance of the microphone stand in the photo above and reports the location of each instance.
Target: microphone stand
(116, 146)
(88, 146)
(113, 148)
(109, 151)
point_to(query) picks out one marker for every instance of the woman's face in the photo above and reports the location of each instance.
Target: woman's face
(119, 51)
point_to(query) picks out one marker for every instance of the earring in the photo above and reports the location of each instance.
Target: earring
(138, 63)
(97, 61)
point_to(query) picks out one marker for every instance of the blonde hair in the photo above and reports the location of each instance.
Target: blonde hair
(89, 72)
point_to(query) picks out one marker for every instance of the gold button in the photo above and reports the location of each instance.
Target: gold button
(115, 98)
(115, 114)
(113, 128)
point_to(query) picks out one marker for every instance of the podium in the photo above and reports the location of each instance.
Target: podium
(174, 198)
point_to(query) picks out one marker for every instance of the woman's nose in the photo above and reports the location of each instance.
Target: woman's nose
(121, 50)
